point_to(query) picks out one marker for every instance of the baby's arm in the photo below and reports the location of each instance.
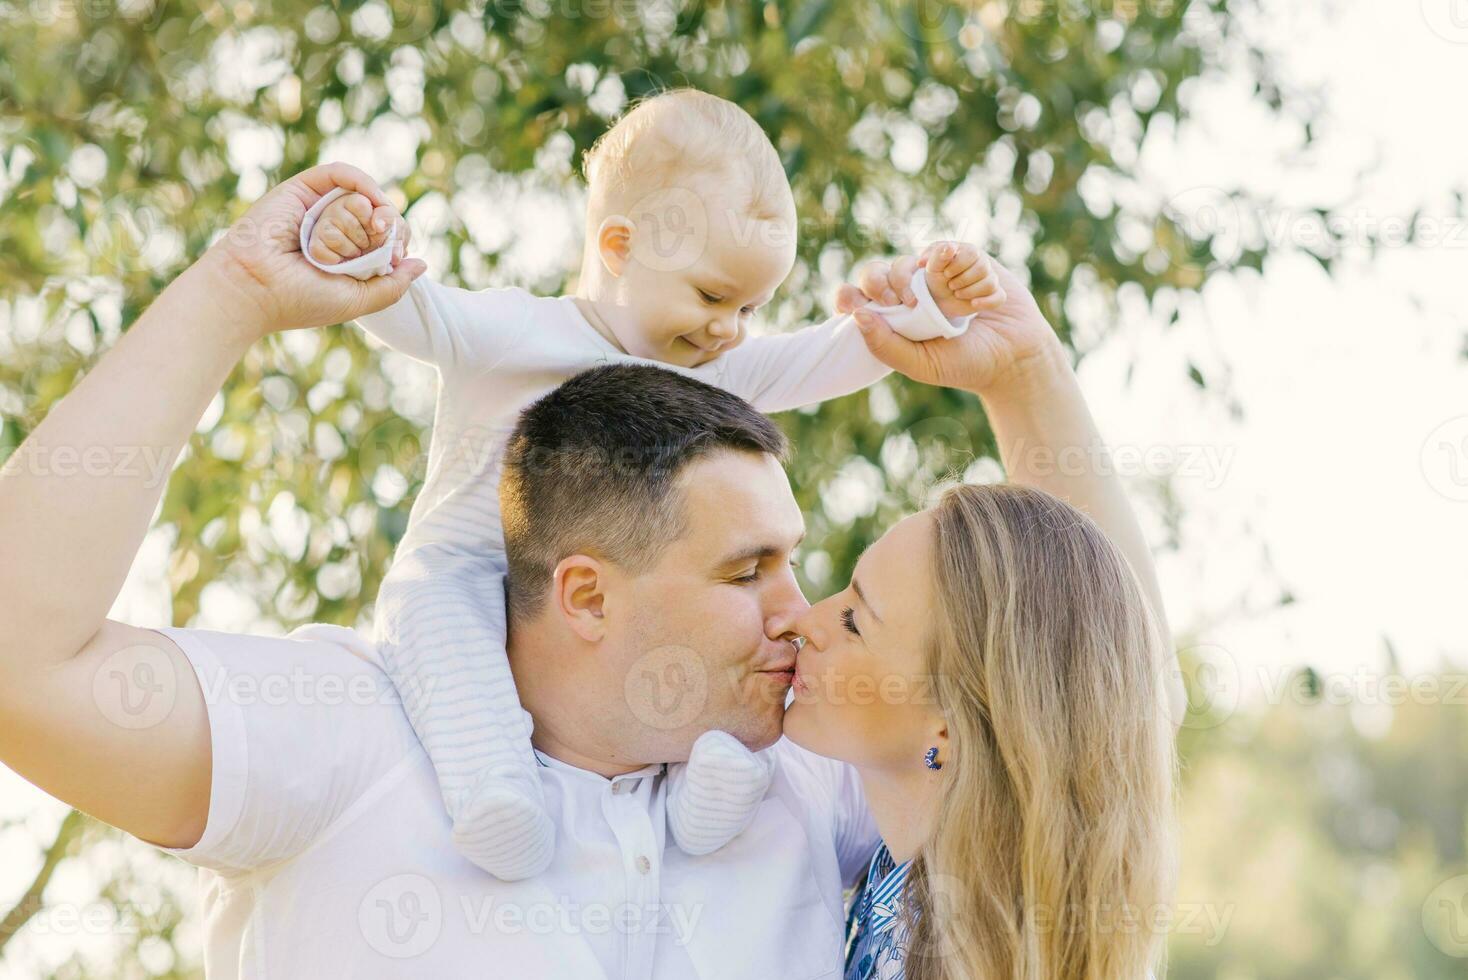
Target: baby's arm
(828, 360)
(439, 325)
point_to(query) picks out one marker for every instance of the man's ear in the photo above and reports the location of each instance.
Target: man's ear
(614, 242)
(577, 591)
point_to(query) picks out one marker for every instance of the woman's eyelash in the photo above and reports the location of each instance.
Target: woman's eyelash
(709, 297)
(848, 619)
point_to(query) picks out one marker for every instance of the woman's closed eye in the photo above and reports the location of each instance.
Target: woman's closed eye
(848, 620)
(709, 297)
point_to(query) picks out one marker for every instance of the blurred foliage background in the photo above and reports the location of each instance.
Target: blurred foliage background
(132, 133)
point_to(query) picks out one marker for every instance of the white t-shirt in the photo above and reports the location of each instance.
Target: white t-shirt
(327, 851)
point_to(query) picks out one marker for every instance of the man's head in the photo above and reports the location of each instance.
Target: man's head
(649, 528)
(690, 226)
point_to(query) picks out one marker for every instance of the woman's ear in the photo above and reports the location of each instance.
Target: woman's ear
(940, 742)
(577, 586)
(614, 242)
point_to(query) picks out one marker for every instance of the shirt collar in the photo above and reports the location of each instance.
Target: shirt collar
(884, 891)
(551, 762)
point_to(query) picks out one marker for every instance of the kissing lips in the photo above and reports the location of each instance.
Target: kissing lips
(782, 670)
(786, 675)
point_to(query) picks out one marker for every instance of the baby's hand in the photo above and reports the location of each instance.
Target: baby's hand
(350, 227)
(961, 278)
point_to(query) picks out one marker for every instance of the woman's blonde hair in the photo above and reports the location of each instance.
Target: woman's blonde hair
(1053, 853)
(688, 134)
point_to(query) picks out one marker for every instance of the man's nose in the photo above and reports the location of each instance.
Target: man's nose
(809, 624)
(788, 608)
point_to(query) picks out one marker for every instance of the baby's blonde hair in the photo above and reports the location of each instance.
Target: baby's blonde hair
(684, 134)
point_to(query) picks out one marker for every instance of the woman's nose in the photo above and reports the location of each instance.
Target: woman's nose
(808, 625)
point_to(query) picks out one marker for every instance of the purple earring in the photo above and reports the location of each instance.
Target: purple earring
(931, 759)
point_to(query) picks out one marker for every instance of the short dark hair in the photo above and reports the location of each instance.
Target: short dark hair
(592, 468)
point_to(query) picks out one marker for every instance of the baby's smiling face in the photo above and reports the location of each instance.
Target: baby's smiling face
(688, 272)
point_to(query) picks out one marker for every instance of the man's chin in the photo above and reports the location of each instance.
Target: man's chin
(764, 732)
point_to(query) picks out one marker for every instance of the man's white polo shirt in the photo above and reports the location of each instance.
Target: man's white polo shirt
(327, 851)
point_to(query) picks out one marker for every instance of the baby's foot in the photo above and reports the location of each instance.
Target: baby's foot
(715, 795)
(503, 827)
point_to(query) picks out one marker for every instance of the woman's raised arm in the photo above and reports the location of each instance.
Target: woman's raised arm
(1011, 358)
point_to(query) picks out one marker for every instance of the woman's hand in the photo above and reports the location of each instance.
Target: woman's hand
(259, 280)
(1005, 347)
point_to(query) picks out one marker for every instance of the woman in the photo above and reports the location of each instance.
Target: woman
(1014, 740)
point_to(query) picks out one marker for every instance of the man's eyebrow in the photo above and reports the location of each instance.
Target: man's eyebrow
(855, 585)
(757, 552)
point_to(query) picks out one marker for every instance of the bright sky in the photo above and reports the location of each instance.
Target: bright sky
(1346, 479)
(1347, 465)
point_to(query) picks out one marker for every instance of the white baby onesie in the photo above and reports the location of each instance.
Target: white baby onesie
(440, 615)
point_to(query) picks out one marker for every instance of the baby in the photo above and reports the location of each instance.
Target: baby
(690, 229)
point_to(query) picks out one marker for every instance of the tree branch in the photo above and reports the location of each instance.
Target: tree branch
(30, 902)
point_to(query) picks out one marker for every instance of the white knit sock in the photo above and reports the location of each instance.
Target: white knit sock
(713, 797)
(441, 629)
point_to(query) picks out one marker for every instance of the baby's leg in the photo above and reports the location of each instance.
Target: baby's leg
(441, 627)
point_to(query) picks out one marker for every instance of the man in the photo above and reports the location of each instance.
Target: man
(285, 767)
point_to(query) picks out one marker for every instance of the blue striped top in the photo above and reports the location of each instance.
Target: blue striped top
(876, 932)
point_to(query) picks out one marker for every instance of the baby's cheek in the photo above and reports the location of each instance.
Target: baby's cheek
(657, 329)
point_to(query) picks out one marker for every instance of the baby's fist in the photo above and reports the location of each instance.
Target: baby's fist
(350, 227)
(961, 278)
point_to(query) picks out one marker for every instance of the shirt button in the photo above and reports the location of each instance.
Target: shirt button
(643, 864)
